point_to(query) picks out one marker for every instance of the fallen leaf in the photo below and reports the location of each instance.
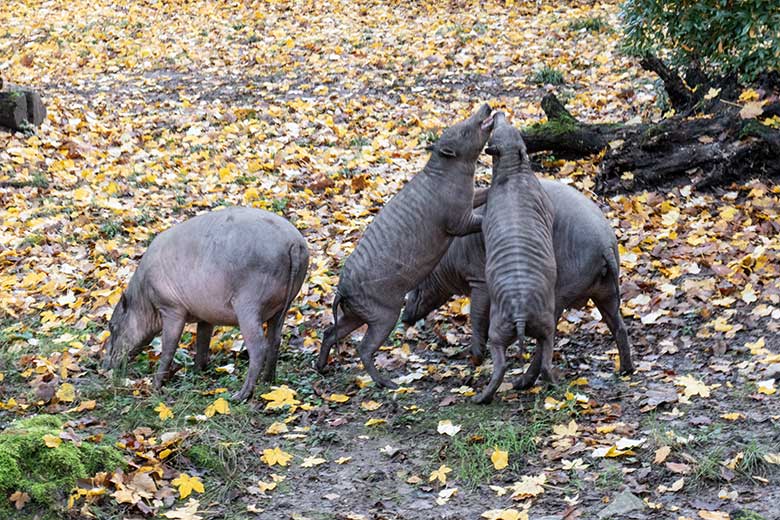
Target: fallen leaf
(446, 427)
(186, 485)
(19, 498)
(276, 456)
(310, 462)
(661, 454)
(51, 441)
(66, 393)
(164, 412)
(187, 512)
(440, 474)
(338, 398)
(499, 458)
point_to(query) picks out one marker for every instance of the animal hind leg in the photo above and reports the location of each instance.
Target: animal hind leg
(275, 326)
(257, 346)
(500, 337)
(480, 323)
(202, 345)
(346, 324)
(378, 330)
(609, 308)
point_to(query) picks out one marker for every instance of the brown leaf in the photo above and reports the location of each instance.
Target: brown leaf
(676, 467)
(19, 498)
(661, 454)
(359, 183)
(27, 60)
(751, 110)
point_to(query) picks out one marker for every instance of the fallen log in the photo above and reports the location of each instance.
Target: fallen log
(706, 150)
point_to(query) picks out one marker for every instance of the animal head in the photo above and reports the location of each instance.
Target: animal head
(505, 141)
(130, 331)
(465, 140)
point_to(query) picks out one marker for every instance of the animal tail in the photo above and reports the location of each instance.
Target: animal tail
(335, 311)
(298, 255)
(612, 267)
(530, 376)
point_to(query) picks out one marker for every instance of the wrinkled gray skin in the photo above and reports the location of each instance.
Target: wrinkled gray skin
(407, 239)
(520, 267)
(238, 266)
(586, 255)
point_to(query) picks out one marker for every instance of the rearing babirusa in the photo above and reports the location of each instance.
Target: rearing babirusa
(520, 268)
(407, 239)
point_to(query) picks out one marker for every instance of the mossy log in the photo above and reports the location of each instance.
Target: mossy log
(706, 150)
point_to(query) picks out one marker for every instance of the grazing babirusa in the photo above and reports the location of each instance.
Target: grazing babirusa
(520, 268)
(238, 266)
(407, 239)
(587, 264)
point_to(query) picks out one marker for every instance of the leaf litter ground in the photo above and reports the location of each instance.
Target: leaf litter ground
(158, 111)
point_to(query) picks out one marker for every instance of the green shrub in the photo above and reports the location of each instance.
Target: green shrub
(723, 36)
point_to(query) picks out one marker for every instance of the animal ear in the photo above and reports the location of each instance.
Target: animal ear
(446, 151)
(491, 150)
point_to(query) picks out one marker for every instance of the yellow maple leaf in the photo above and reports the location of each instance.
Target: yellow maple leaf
(266, 486)
(733, 416)
(692, 386)
(276, 428)
(440, 474)
(220, 406)
(375, 422)
(343, 460)
(66, 393)
(280, 397)
(276, 456)
(370, 406)
(164, 412)
(528, 487)
(748, 95)
(51, 441)
(499, 458)
(310, 462)
(566, 430)
(338, 398)
(187, 485)
(505, 514)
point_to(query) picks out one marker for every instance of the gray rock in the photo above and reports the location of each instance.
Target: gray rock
(13, 110)
(624, 503)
